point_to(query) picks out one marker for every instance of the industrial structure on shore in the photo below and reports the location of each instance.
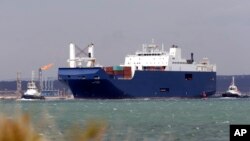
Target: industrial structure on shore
(45, 87)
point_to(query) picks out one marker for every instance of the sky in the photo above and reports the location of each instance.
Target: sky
(34, 33)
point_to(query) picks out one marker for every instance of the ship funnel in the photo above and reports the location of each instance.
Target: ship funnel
(192, 57)
(72, 55)
(91, 59)
(91, 50)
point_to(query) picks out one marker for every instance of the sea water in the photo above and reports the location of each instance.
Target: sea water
(136, 119)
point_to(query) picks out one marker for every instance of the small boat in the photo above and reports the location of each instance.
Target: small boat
(32, 91)
(232, 91)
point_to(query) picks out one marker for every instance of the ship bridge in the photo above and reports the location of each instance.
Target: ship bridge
(151, 50)
(152, 57)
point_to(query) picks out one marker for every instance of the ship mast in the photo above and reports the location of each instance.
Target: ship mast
(77, 58)
(233, 81)
(32, 76)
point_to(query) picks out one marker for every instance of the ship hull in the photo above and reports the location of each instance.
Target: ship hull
(96, 83)
(230, 95)
(33, 97)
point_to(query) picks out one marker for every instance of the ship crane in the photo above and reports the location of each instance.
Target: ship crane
(43, 68)
(77, 59)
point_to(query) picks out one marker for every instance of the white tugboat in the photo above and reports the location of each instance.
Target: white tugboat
(32, 91)
(232, 91)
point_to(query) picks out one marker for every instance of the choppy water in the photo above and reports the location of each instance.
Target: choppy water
(138, 119)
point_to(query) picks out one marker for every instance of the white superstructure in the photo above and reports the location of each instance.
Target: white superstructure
(153, 57)
(72, 55)
(233, 89)
(32, 90)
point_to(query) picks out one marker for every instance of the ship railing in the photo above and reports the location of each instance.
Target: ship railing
(210, 68)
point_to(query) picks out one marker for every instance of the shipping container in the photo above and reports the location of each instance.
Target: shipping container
(108, 68)
(127, 68)
(117, 68)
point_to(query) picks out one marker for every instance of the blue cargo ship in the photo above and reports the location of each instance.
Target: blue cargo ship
(150, 73)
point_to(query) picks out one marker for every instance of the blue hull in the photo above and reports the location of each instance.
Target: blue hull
(96, 83)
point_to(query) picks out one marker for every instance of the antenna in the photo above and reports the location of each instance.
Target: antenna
(32, 76)
(233, 80)
(153, 40)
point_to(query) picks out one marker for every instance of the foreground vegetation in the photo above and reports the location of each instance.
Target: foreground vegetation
(21, 129)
